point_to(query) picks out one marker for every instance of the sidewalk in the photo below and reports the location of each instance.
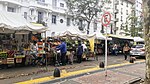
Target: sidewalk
(121, 75)
(116, 74)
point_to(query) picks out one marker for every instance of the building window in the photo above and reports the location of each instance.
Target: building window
(11, 9)
(41, 0)
(68, 21)
(25, 15)
(61, 5)
(54, 19)
(121, 18)
(121, 27)
(95, 26)
(40, 17)
(121, 2)
(115, 6)
(80, 25)
(126, 12)
(127, 3)
(54, 3)
(32, 11)
(121, 11)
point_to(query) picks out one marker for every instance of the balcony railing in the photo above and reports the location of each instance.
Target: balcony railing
(42, 3)
(18, 2)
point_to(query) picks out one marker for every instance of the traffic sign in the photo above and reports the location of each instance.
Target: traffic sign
(106, 18)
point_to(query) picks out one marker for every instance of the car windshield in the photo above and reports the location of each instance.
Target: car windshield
(138, 46)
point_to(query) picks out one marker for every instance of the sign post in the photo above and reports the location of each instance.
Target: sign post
(106, 18)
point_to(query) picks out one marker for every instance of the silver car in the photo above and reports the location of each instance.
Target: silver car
(138, 50)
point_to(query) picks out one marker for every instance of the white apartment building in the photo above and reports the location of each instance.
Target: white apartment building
(138, 8)
(124, 11)
(52, 12)
(138, 13)
(120, 11)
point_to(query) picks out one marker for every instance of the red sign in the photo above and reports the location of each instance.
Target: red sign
(106, 18)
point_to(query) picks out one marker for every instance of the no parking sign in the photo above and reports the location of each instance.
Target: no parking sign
(106, 18)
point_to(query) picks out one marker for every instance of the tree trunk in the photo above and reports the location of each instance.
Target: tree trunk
(88, 27)
(146, 4)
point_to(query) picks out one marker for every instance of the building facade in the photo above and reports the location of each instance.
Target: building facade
(120, 11)
(124, 11)
(53, 14)
(139, 14)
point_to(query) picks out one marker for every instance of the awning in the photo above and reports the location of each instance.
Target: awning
(120, 37)
(15, 21)
(138, 39)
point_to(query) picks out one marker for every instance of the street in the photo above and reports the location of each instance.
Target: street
(18, 74)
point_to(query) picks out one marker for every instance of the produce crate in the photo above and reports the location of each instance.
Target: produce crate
(3, 54)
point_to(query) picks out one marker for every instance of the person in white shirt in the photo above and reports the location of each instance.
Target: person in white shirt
(84, 47)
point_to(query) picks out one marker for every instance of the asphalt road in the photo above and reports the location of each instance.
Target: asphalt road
(17, 74)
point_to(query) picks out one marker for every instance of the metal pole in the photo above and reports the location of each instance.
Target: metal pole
(106, 54)
(45, 50)
(114, 24)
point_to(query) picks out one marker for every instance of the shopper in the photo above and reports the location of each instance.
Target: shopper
(79, 52)
(115, 49)
(34, 51)
(126, 49)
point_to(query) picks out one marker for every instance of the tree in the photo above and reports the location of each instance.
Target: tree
(146, 4)
(85, 9)
(136, 24)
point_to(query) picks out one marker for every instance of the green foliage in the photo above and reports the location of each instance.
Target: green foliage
(85, 9)
(133, 21)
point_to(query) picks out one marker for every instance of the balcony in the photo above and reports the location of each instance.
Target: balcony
(40, 4)
(116, 11)
(116, 20)
(59, 9)
(17, 2)
(116, 2)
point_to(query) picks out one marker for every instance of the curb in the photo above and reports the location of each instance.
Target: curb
(74, 74)
(91, 72)
(133, 81)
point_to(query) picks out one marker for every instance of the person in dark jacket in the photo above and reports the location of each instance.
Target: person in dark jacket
(63, 49)
(79, 52)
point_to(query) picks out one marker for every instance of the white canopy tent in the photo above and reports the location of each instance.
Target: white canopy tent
(14, 21)
(99, 35)
(138, 39)
(71, 32)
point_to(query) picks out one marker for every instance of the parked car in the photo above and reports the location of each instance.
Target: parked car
(138, 50)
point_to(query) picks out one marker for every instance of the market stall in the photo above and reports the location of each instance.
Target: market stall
(72, 37)
(14, 38)
(138, 40)
(120, 42)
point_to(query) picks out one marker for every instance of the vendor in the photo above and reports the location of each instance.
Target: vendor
(63, 49)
